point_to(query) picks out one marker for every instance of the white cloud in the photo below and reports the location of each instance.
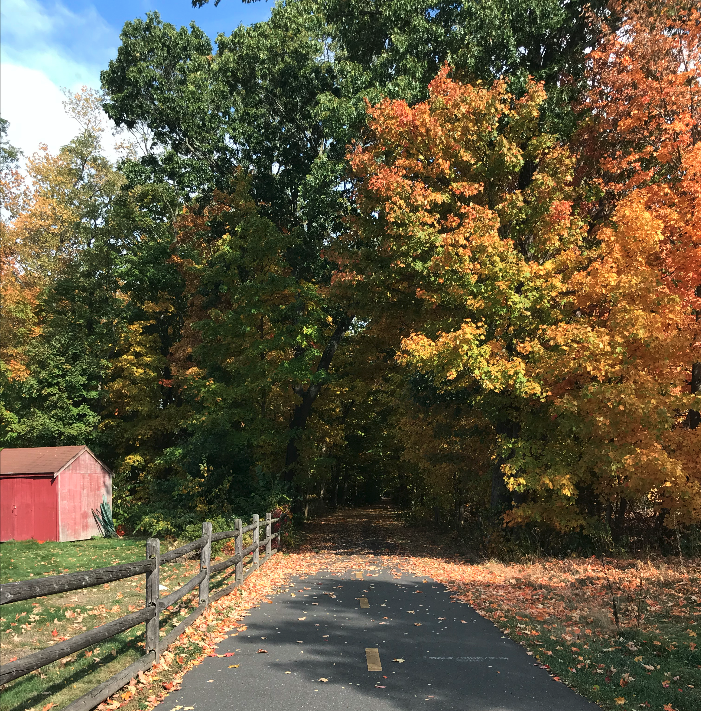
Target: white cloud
(45, 49)
(32, 104)
(69, 48)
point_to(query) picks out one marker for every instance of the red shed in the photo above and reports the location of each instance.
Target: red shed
(47, 493)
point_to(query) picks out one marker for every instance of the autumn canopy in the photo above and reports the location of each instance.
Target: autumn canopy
(444, 254)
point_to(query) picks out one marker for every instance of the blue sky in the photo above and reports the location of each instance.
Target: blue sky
(46, 45)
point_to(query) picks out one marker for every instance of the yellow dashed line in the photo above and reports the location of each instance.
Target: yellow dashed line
(372, 656)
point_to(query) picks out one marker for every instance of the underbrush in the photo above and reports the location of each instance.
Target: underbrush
(485, 536)
(175, 508)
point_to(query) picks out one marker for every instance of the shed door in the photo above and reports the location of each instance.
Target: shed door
(28, 508)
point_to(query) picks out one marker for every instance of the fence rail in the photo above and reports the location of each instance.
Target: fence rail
(150, 614)
(52, 584)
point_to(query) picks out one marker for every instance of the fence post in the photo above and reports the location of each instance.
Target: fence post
(268, 534)
(238, 550)
(205, 557)
(256, 541)
(153, 637)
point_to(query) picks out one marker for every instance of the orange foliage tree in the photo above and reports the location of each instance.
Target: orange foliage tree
(574, 334)
(644, 133)
(638, 378)
(17, 297)
(466, 233)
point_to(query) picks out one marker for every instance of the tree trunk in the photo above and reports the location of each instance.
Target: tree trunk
(615, 519)
(620, 520)
(500, 498)
(693, 417)
(304, 408)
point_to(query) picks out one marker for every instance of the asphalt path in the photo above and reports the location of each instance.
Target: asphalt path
(435, 654)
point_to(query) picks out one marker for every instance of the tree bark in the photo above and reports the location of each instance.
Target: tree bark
(620, 520)
(693, 417)
(304, 408)
(500, 498)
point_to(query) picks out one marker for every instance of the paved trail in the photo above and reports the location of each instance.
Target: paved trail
(323, 637)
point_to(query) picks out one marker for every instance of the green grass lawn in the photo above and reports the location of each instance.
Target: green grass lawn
(30, 625)
(21, 560)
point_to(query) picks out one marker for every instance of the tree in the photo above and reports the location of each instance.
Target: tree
(280, 101)
(61, 250)
(16, 303)
(451, 233)
(519, 312)
(616, 371)
(270, 131)
(395, 48)
(644, 132)
(9, 154)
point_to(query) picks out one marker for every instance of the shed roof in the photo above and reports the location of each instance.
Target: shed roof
(40, 460)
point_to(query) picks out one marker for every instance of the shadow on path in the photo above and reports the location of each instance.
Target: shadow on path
(435, 653)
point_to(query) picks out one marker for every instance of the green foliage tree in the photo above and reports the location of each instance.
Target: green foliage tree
(9, 154)
(64, 249)
(278, 102)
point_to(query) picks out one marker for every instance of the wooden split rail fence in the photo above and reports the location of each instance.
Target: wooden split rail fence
(150, 614)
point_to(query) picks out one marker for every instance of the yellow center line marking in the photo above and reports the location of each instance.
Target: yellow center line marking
(364, 602)
(372, 656)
